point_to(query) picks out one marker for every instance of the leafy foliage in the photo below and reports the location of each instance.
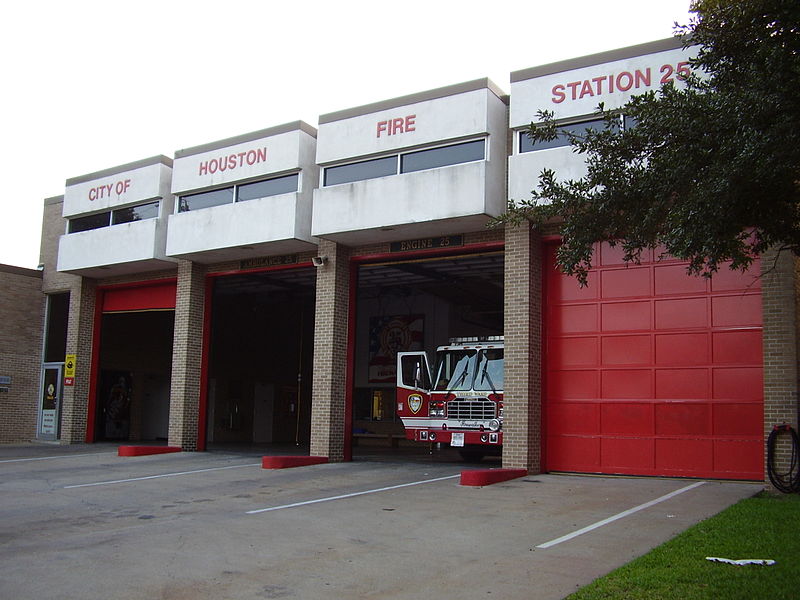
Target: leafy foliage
(711, 171)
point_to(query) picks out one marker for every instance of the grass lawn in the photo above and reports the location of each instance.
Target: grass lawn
(761, 527)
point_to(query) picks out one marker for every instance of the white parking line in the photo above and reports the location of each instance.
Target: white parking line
(82, 485)
(618, 516)
(12, 460)
(328, 499)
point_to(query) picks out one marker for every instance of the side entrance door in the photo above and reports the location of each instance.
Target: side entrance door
(50, 403)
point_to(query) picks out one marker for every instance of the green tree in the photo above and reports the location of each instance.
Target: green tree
(711, 171)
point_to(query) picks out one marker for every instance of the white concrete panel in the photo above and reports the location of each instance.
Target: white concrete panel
(497, 149)
(524, 169)
(258, 221)
(115, 245)
(113, 191)
(579, 91)
(412, 198)
(427, 122)
(253, 159)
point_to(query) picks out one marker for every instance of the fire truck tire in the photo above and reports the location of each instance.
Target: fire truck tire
(472, 455)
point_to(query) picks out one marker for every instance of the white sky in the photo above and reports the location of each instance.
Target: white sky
(89, 85)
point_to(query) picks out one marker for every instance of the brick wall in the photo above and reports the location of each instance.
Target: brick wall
(80, 328)
(523, 342)
(330, 353)
(187, 353)
(53, 227)
(22, 316)
(779, 285)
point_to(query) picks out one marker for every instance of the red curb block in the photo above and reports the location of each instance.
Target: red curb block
(287, 462)
(146, 450)
(481, 477)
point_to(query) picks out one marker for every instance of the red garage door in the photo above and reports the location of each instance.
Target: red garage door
(651, 372)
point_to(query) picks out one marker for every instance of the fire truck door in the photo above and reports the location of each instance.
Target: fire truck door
(413, 384)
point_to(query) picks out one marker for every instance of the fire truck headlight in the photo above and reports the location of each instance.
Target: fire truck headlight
(494, 425)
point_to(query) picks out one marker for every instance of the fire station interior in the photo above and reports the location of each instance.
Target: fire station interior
(134, 379)
(414, 305)
(260, 359)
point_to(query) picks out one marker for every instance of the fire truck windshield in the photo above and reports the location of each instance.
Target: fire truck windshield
(490, 370)
(455, 370)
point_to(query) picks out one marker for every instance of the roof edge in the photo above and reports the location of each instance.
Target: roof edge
(442, 92)
(248, 137)
(145, 162)
(597, 59)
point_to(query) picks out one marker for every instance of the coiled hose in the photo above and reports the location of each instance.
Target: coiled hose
(788, 482)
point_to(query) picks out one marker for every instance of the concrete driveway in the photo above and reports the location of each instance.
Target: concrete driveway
(80, 522)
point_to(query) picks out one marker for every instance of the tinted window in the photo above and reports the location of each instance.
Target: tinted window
(415, 372)
(90, 222)
(526, 145)
(135, 213)
(630, 122)
(270, 187)
(205, 199)
(368, 169)
(440, 157)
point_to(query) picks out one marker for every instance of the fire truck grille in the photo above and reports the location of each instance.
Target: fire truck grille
(471, 410)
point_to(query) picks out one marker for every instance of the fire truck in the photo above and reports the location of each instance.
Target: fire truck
(460, 401)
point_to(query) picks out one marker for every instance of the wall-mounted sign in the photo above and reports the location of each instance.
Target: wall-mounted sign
(268, 261)
(70, 362)
(446, 241)
(4, 390)
(5, 379)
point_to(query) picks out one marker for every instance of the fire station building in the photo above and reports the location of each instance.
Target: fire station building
(255, 290)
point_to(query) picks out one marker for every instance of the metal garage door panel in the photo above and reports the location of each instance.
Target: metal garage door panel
(657, 373)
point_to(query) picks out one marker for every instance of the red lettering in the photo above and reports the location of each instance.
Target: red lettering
(573, 86)
(667, 71)
(93, 194)
(122, 186)
(261, 155)
(109, 187)
(610, 84)
(683, 69)
(396, 125)
(599, 81)
(586, 88)
(558, 94)
(643, 78)
(624, 87)
(203, 168)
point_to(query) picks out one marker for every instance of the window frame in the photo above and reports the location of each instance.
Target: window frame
(523, 139)
(110, 216)
(235, 192)
(398, 156)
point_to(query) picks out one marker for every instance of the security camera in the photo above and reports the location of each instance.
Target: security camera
(319, 261)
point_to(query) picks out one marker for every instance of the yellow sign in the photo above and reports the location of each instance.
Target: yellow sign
(69, 365)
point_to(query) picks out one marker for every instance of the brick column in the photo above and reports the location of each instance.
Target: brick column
(330, 353)
(187, 349)
(779, 298)
(80, 327)
(523, 349)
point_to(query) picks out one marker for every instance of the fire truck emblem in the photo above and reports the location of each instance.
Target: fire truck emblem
(415, 403)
